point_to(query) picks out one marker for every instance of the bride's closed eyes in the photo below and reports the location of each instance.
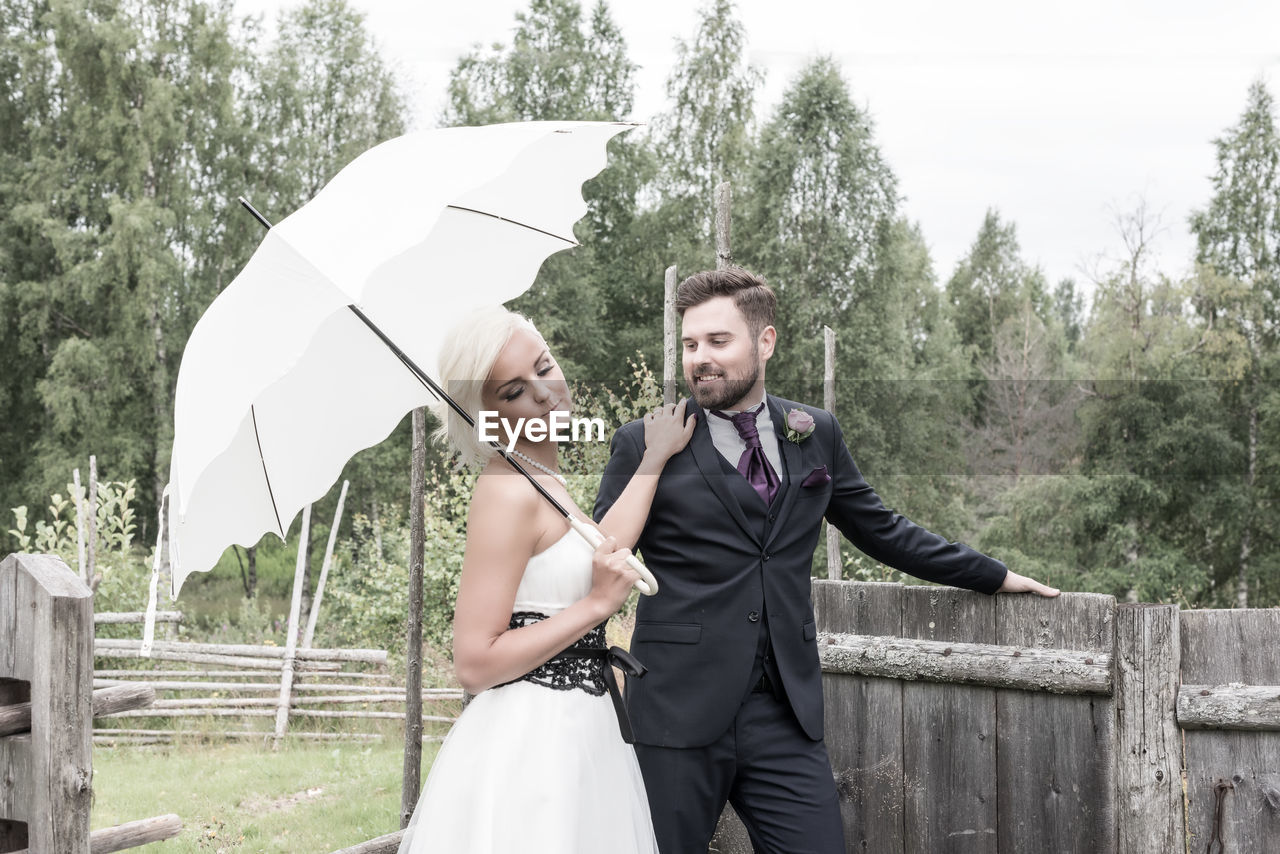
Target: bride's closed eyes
(519, 389)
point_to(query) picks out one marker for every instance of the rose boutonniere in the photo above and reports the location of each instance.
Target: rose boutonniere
(799, 425)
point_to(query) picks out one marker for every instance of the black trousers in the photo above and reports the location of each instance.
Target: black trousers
(776, 777)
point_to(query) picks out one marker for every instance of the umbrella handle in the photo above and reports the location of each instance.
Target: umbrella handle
(646, 583)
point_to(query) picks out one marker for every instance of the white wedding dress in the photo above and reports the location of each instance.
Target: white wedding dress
(535, 769)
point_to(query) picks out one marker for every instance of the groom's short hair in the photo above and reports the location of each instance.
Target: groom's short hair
(752, 296)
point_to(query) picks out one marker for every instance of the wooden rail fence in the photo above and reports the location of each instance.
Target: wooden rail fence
(960, 722)
(235, 683)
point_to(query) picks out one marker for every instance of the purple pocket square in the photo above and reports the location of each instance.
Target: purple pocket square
(817, 477)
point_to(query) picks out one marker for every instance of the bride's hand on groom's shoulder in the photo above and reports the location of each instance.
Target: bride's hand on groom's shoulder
(666, 431)
(1015, 583)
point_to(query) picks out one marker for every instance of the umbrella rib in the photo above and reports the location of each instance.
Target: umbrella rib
(515, 222)
(254, 414)
(420, 374)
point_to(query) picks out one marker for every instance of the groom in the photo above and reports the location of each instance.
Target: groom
(731, 709)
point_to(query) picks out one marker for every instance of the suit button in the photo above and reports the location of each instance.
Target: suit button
(766, 556)
(772, 517)
(754, 616)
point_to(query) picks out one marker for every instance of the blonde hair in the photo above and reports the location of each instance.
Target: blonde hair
(466, 358)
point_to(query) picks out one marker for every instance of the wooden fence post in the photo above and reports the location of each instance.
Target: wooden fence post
(93, 523)
(1148, 776)
(1233, 777)
(411, 784)
(81, 566)
(670, 335)
(291, 632)
(46, 641)
(835, 566)
(324, 570)
(724, 254)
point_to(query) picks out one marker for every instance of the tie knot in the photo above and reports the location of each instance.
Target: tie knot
(745, 422)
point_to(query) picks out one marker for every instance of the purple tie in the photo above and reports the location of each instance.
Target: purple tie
(754, 465)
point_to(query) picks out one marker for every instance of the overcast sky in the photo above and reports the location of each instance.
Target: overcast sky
(1057, 117)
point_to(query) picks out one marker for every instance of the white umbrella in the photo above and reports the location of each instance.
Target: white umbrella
(329, 334)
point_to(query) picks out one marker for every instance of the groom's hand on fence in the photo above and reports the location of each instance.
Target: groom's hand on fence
(1014, 583)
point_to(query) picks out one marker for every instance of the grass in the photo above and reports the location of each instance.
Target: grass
(303, 799)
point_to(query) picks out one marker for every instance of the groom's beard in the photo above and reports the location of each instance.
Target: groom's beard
(728, 391)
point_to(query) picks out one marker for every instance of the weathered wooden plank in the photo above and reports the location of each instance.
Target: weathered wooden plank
(1148, 779)
(1223, 647)
(262, 702)
(1055, 753)
(368, 656)
(131, 834)
(388, 844)
(151, 674)
(1025, 668)
(55, 616)
(269, 713)
(949, 744)
(15, 771)
(1248, 707)
(14, 753)
(221, 660)
(864, 718)
(117, 617)
(8, 623)
(264, 687)
(167, 735)
(17, 717)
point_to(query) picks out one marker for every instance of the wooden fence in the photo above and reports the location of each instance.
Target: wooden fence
(966, 723)
(231, 685)
(47, 706)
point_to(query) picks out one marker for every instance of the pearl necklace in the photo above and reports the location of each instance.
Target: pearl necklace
(531, 461)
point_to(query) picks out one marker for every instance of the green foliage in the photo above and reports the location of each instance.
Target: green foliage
(1238, 232)
(122, 569)
(705, 137)
(558, 66)
(128, 127)
(989, 285)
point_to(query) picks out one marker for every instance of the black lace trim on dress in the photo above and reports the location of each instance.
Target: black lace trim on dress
(579, 666)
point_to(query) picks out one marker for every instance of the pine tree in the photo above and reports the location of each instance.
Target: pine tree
(1238, 236)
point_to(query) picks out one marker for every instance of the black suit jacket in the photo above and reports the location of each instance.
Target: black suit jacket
(716, 569)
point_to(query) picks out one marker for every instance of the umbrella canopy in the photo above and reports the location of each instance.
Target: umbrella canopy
(282, 382)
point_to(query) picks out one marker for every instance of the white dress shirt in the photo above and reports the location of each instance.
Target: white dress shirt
(731, 446)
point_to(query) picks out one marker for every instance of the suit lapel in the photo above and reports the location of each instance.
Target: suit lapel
(791, 461)
(708, 460)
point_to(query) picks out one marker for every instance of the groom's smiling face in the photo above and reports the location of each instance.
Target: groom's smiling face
(723, 360)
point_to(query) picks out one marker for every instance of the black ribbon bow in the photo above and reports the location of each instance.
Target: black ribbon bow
(614, 656)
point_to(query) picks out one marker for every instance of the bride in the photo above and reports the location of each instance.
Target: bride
(537, 761)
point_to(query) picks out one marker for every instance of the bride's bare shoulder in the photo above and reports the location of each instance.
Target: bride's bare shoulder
(501, 489)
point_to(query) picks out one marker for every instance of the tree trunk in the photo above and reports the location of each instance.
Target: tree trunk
(252, 553)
